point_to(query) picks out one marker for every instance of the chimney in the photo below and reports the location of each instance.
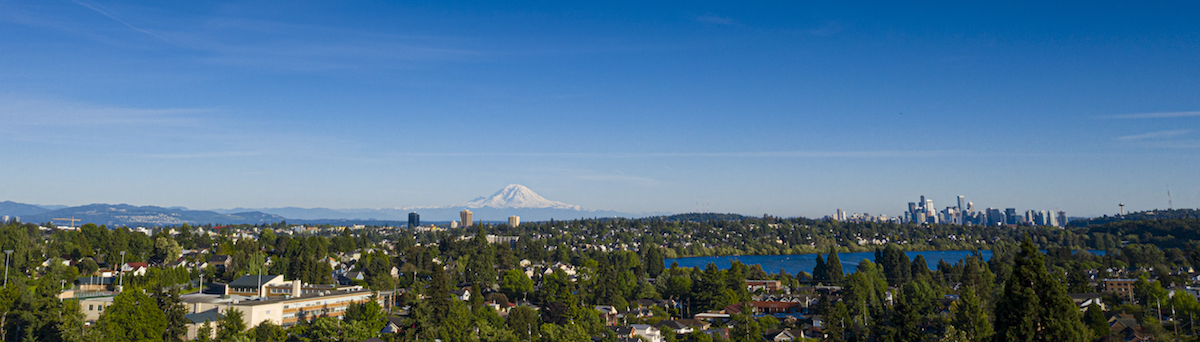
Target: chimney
(296, 288)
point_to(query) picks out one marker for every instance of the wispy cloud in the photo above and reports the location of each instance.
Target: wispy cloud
(99, 9)
(1155, 135)
(202, 155)
(1156, 115)
(714, 19)
(23, 111)
(765, 154)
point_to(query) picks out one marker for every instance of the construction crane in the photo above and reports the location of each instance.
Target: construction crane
(72, 220)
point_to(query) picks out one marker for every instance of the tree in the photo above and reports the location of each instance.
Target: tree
(325, 329)
(231, 325)
(969, 316)
(523, 321)
(818, 274)
(369, 314)
(516, 284)
(1034, 306)
(833, 268)
(1094, 319)
(173, 310)
(134, 317)
(653, 261)
(268, 332)
(205, 333)
(166, 249)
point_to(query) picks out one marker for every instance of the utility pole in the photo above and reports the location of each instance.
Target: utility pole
(7, 254)
(121, 282)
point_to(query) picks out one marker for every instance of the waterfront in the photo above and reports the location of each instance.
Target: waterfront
(793, 263)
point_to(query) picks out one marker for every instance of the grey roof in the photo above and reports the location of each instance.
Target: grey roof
(673, 325)
(205, 316)
(252, 280)
(621, 330)
(94, 280)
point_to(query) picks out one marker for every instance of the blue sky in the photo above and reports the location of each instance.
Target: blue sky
(781, 108)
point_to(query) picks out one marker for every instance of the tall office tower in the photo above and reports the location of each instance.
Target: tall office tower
(970, 207)
(1031, 217)
(928, 206)
(994, 217)
(414, 220)
(962, 201)
(841, 215)
(514, 221)
(1010, 216)
(922, 204)
(467, 219)
(1062, 219)
(1050, 219)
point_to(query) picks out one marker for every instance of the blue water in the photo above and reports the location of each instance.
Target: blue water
(793, 263)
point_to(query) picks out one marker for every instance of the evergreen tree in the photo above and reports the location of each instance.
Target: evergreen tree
(173, 309)
(970, 318)
(833, 268)
(1094, 319)
(231, 325)
(1034, 306)
(818, 274)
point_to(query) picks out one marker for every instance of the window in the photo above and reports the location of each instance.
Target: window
(90, 307)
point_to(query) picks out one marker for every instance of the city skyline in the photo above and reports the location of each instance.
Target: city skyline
(783, 109)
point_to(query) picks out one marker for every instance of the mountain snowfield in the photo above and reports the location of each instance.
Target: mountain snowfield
(516, 196)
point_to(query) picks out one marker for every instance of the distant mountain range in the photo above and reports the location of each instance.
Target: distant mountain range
(514, 199)
(134, 216)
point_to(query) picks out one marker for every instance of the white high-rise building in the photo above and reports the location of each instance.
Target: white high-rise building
(514, 221)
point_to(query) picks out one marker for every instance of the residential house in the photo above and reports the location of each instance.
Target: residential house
(463, 294)
(780, 335)
(767, 285)
(135, 268)
(673, 326)
(647, 331)
(220, 261)
(1083, 300)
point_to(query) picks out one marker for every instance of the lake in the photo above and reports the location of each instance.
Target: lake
(793, 263)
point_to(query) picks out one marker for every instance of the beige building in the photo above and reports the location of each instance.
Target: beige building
(514, 221)
(467, 218)
(93, 307)
(284, 310)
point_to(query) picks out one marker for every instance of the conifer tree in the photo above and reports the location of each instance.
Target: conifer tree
(818, 274)
(1034, 306)
(1094, 318)
(833, 268)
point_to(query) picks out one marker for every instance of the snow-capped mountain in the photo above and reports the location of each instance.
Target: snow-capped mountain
(516, 196)
(514, 199)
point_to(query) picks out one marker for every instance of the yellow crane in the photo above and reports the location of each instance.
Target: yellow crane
(72, 220)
